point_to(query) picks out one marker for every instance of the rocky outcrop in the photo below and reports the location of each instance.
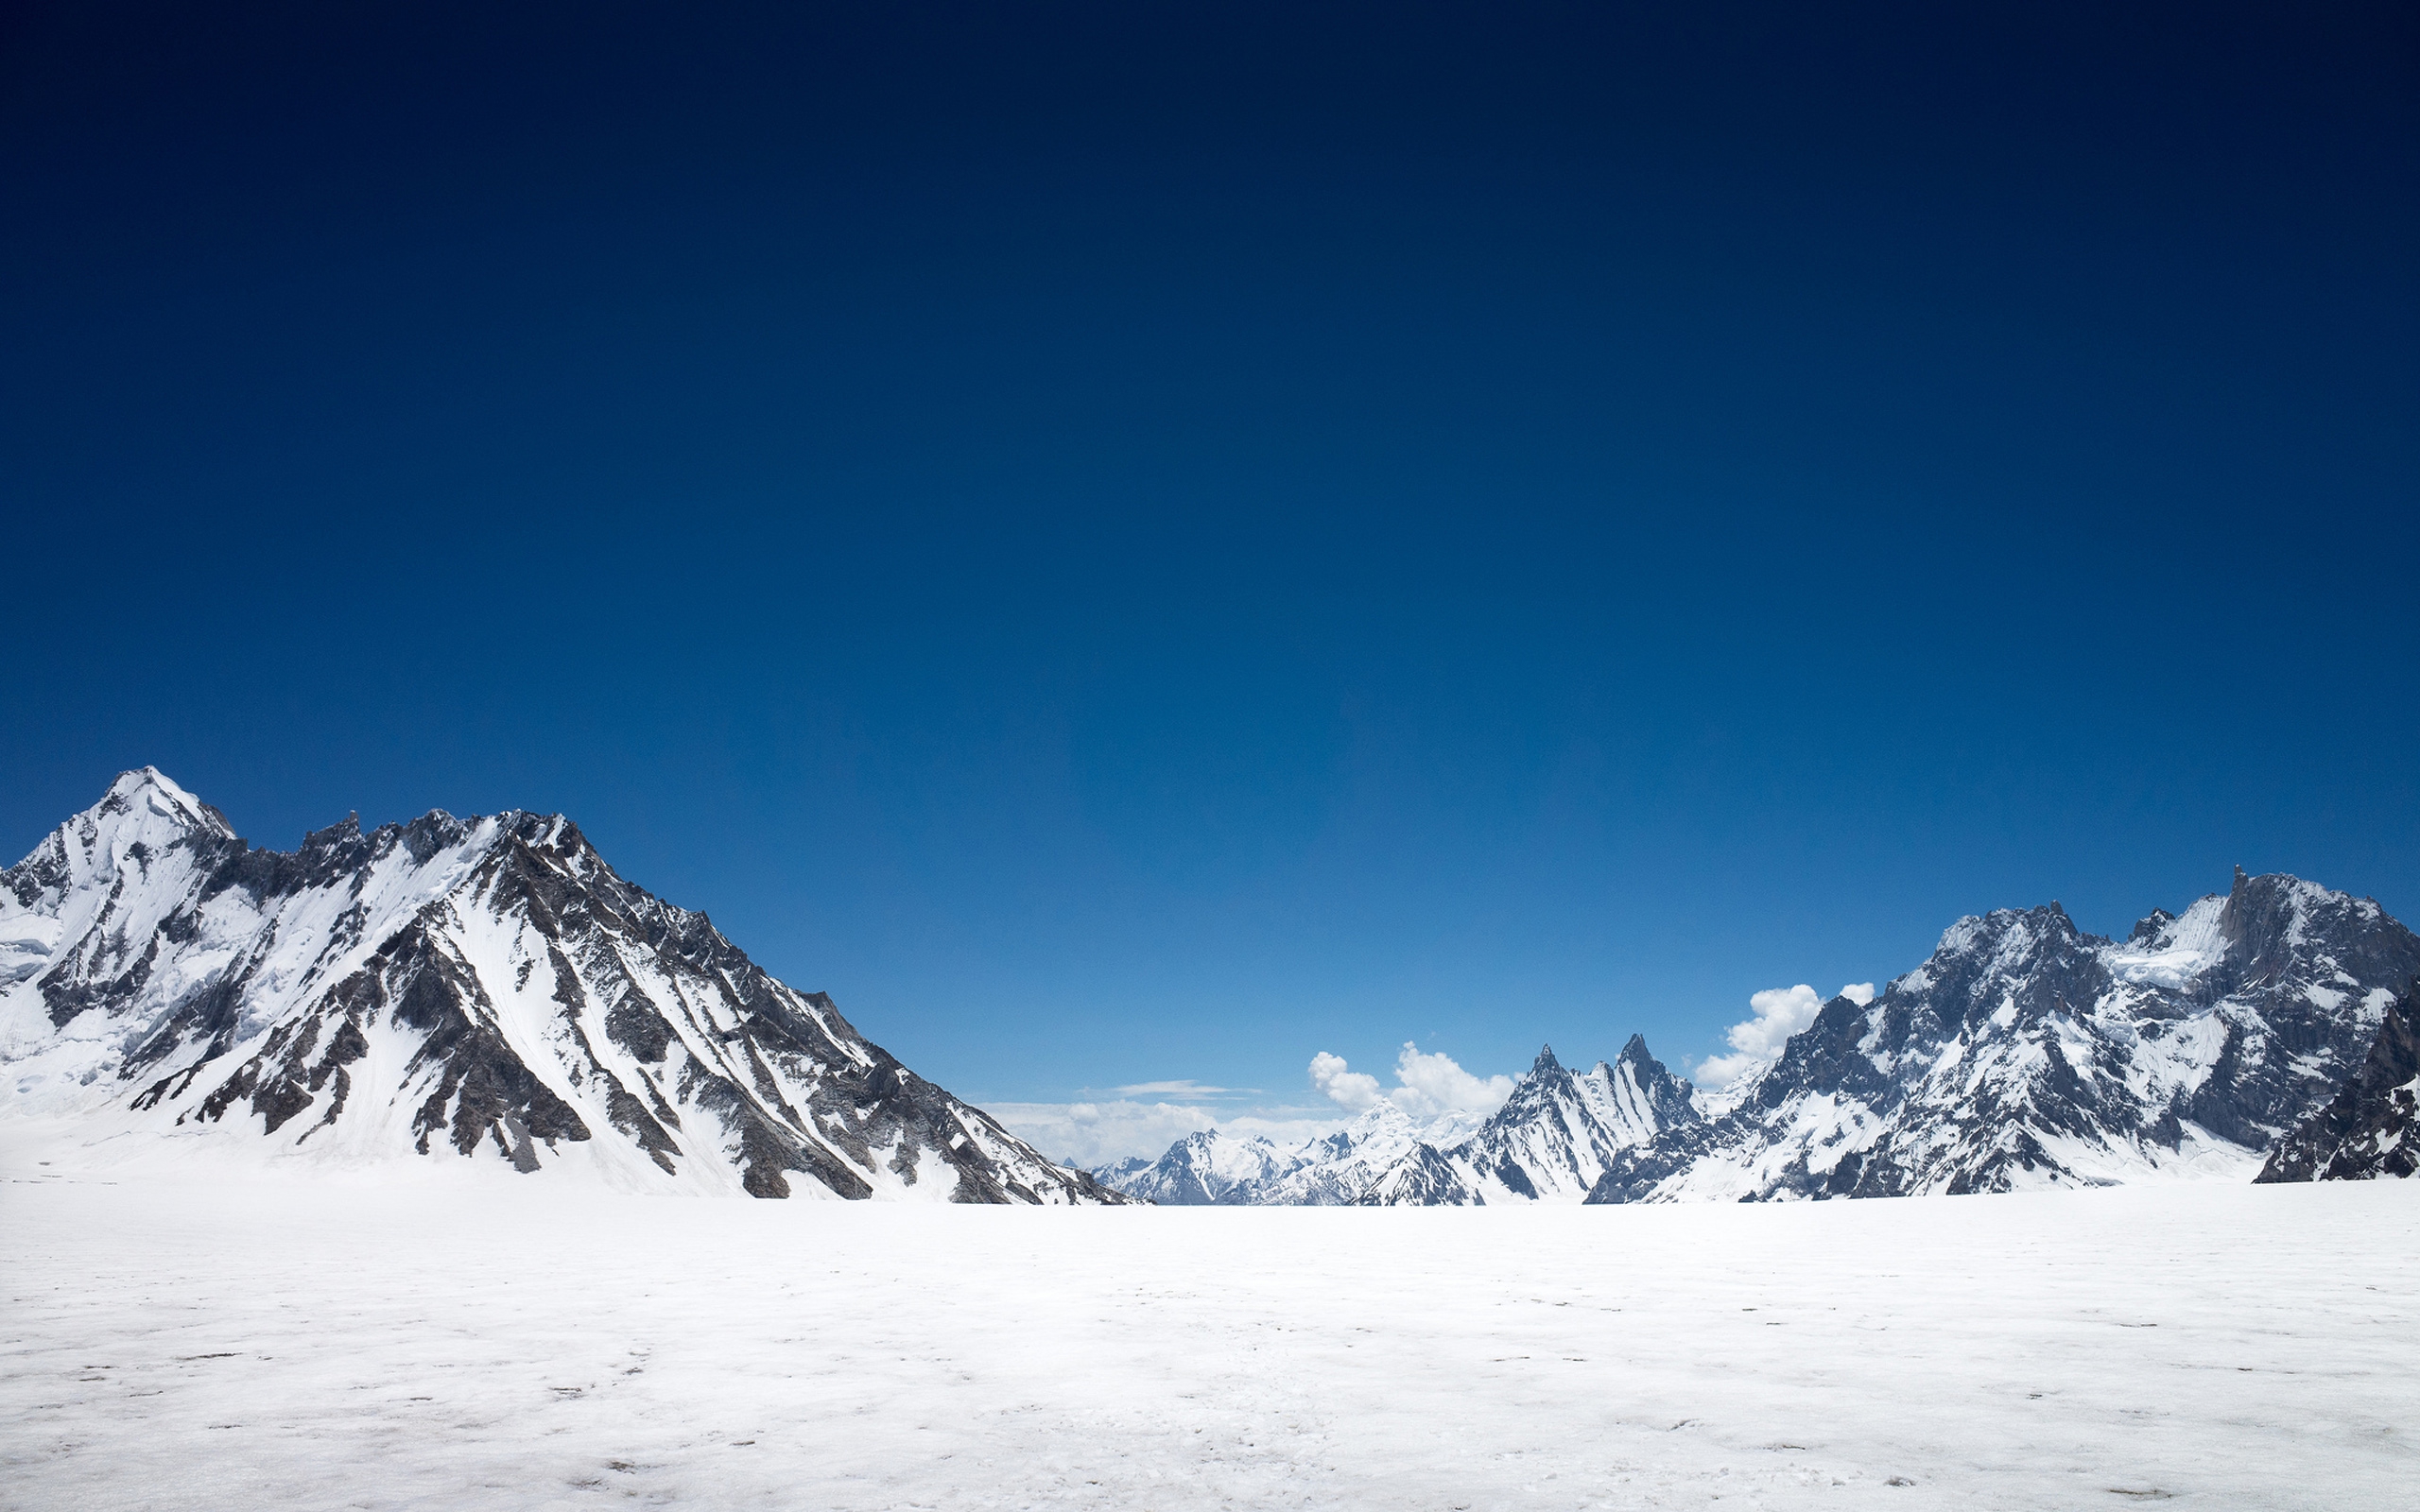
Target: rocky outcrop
(2371, 1128)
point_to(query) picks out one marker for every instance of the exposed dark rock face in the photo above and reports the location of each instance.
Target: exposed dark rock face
(483, 989)
(2371, 1128)
(2027, 1053)
(1664, 1096)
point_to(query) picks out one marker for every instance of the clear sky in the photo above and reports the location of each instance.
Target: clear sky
(1137, 543)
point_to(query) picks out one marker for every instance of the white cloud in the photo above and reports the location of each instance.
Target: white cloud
(1353, 1091)
(1426, 1085)
(1780, 1012)
(1433, 1083)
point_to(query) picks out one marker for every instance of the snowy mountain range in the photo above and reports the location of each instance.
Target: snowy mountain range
(481, 992)
(1551, 1140)
(1213, 1168)
(2270, 1026)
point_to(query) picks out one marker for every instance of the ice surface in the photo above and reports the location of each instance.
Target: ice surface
(318, 1344)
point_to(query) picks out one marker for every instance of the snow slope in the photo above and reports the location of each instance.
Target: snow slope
(464, 992)
(487, 1342)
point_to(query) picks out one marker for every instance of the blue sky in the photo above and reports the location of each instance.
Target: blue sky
(1137, 545)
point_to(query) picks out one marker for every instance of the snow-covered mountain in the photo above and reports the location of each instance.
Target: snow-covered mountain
(1205, 1169)
(1549, 1142)
(482, 991)
(2027, 1053)
(1552, 1139)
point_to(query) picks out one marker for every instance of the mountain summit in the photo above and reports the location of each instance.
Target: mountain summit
(485, 993)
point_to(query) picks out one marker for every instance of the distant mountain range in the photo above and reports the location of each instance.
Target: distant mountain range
(485, 993)
(2268, 1029)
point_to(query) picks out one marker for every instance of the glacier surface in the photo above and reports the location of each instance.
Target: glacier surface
(477, 1341)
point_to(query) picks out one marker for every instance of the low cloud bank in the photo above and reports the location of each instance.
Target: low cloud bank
(1778, 1012)
(1187, 1090)
(1090, 1134)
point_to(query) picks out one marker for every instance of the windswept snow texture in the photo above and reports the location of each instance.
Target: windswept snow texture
(1550, 1142)
(2373, 1127)
(462, 991)
(2029, 1053)
(506, 1345)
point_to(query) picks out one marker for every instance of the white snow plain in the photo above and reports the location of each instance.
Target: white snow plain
(349, 1344)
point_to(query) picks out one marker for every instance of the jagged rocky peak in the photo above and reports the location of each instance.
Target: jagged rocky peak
(1671, 1098)
(143, 814)
(484, 989)
(148, 790)
(2148, 928)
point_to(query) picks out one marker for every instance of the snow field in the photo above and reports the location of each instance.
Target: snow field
(318, 1344)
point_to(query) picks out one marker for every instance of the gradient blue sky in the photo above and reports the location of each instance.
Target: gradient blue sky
(1136, 544)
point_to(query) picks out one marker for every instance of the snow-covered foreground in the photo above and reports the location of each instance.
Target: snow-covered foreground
(330, 1345)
